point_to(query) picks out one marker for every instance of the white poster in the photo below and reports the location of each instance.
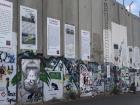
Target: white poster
(28, 28)
(53, 37)
(7, 72)
(6, 20)
(108, 71)
(69, 41)
(119, 45)
(85, 45)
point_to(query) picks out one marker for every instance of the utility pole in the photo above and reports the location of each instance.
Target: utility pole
(123, 3)
(130, 6)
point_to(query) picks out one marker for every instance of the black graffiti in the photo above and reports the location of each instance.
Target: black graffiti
(6, 69)
(34, 99)
(11, 94)
(88, 91)
(99, 83)
(54, 86)
(7, 57)
(11, 100)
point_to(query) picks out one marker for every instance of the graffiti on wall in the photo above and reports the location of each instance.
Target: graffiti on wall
(124, 82)
(54, 90)
(71, 79)
(30, 87)
(85, 81)
(137, 81)
(97, 76)
(99, 82)
(7, 71)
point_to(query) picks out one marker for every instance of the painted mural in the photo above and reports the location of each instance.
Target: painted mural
(137, 81)
(99, 82)
(7, 71)
(119, 45)
(86, 86)
(97, 76)
(71, 79)
(124, 81)
(30, 88)
(54, 89)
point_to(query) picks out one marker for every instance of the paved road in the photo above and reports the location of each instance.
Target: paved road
(129, 99)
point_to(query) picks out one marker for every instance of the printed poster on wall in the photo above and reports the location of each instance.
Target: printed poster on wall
(6, 21)
(85, 45)
(119, 45)
(69, 41)
(30, 88)
(54, 90)
(53, 37)
(28, 28)
(7, 72)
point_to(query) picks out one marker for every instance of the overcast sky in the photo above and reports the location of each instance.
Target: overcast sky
(135, 8)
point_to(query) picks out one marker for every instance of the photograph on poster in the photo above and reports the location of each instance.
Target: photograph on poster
(69, 41)
(28, 28)
(6, 16)
(53, 37)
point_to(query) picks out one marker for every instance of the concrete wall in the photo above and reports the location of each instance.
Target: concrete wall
(70, 16)
(84, 14)
(97, 30)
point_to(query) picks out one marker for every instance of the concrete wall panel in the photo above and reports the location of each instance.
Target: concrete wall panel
(52, 9)
(97, 30)
(84, 14)
(84, 17)
(70, 16)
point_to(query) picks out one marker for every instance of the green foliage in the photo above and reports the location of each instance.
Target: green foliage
(44, 76)
(72, 95)
(115, 90)
(16, 78)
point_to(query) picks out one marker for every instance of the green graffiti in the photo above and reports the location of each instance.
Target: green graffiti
(55, 75)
